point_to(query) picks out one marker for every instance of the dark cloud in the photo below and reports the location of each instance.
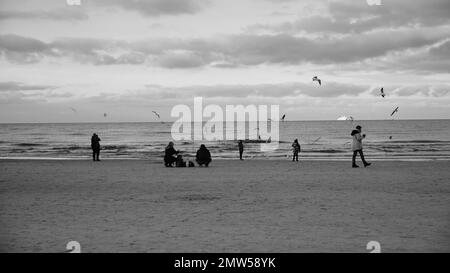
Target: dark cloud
(18, 86)
(62, 14)
(260, 49)
(18, 49)
(17, 43)
(441, 51)
(181, 60)
(434, 90)
(331, 89)
(233, 50)
(423, 90)
(157, 7)
(349, 16)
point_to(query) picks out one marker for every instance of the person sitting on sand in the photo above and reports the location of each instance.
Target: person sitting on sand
(203, 156)
(241, 149)
(169, 156)
(295, 149)
(357, 147)
(95, 145)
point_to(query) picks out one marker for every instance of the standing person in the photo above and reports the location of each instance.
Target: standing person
(95, 145)
(170, 155)
(295, 149)
(203, 156)
(241, 149)
(357, 147)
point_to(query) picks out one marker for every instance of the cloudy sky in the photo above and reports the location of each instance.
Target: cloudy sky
(62, 63)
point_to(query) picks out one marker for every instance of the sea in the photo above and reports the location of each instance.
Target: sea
(319, 140)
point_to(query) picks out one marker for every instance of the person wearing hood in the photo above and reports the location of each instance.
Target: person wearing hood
(95, 145)
(357, 147)
(203, 156)
(241, 149)
(295, 150)
(170, 155)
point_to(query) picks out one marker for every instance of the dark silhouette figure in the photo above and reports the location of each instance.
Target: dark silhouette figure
(95, 145)
(295, 149)
(357, 147)
(180, 162)
(241, 149)
(170, 155)
(203, 156)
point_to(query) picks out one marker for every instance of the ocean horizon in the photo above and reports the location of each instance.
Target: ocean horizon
(320, 140)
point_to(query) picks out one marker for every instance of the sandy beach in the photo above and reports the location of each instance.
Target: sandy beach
(233, 206)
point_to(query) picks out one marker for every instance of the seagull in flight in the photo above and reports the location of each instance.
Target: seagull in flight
(282, 118)
(395, 111)
(315, 78)
(382, 92)
(73, 110)
(105, 115)
(154, 112)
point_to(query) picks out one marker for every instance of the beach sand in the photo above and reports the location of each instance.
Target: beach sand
(233, 206)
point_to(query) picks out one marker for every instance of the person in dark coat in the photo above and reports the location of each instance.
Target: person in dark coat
(241, 149)
(295, 150)
(95, 145)
(203, 156)
(170, 155)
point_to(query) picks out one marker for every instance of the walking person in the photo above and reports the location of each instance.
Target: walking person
(357, 147)
(95, 145)
(296, 150)
(241, 149)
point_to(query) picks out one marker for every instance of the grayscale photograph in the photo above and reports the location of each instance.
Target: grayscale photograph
(221, 126)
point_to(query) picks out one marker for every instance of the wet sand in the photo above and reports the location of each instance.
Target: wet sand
(233, 206)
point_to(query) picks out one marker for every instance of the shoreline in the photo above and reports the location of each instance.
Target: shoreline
(279, 159)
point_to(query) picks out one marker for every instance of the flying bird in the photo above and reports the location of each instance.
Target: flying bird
(395, 111)
(282, 118)
(73, 110)
(315, 78)
(105, 115)
(154, 112)
(382, 92)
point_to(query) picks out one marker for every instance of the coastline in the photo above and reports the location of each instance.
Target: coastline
(276, 159)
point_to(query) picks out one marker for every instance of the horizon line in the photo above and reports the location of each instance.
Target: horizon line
(87, 122)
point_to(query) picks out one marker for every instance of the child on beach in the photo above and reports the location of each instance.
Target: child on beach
(295, 149)
(357, 147)
(180, 162)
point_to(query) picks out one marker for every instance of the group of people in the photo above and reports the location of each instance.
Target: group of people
(171, 156)
(203, 155)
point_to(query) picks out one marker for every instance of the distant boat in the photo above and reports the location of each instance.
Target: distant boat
(345, 118)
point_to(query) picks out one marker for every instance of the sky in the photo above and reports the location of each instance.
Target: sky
(73, 63)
